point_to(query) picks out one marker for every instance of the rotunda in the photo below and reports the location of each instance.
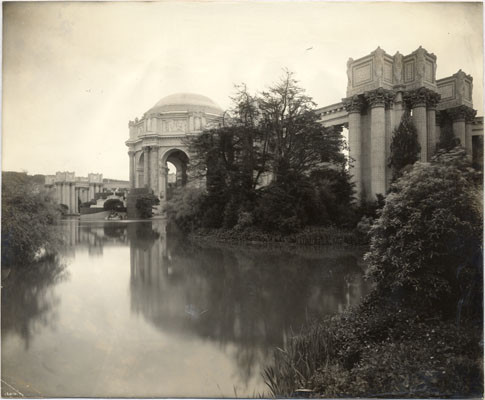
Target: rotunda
(157, 138)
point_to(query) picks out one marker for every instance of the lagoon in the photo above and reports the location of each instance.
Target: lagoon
(128, 310)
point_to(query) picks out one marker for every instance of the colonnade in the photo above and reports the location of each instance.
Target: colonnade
(374, 115)
(70, 194)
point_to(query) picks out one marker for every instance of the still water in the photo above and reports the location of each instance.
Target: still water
(127, 310)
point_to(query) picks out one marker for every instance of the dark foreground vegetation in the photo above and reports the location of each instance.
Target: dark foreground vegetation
(420, 331)
(29, 215)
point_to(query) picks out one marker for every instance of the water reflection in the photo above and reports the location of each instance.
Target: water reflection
(145, 313)
(28, 292)
(247, 297)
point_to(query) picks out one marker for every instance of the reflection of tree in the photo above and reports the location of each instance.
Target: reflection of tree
(245, 297)
(28, 300)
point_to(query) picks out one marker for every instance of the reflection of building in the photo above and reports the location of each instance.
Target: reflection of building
(380, 89)
(157, 138)
(71, 190)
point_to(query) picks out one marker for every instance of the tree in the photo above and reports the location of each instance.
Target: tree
(29, 216)
(405, 146)
(276, 132)
(428, 237)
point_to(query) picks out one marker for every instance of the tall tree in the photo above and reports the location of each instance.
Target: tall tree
(405, 146)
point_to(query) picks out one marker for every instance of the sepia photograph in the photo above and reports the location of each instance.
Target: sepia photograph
(242, 199)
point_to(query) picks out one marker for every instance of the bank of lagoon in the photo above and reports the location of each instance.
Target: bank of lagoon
(126, 309)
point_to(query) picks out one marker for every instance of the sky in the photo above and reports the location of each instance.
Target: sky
(75, 73)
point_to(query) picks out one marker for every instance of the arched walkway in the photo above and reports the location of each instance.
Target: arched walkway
(179, 159)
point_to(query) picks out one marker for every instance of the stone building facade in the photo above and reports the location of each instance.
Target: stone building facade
(380, 89)
(158, 138)
(71, 190)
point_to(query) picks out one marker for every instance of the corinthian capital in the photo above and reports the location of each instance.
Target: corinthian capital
(380, 97)
(421, 97)
(353, 104)
(462, 113)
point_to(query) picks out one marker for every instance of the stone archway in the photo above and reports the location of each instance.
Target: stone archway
(179, 159)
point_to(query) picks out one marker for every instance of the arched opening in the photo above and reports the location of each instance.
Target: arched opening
(175, 162)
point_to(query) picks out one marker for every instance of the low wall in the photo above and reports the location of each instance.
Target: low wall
(95, 217)
(90, 210)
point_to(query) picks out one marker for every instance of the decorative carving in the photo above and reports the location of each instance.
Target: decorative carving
(379, 97)
(462, 113)
(420, 63)
(397, 68)
(379, 60)
(349, 72)
(421, 97)
(353, 104)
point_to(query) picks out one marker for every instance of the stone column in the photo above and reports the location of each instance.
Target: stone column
(390, 123)
(470, 117)
(91, 192)
(146, 166)
(59, 192)
(65, 193)
(431, 127)
(437, 127)
(377, 100)
(154, 154)
(72, 188)
(354, 106)
(163, 183)
(131, 155)
(419, 117)
(73, 198)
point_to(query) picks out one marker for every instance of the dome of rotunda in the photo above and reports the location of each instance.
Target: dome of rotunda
(185, 102)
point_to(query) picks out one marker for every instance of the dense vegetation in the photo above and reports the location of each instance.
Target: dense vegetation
(28, 217)
(419, 333)
(271, 167)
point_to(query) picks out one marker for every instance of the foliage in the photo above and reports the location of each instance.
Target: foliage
(28, 217)
(186, 207)
(276, 133)
(309, 236)
(144, 205)
(420, 331)
(113, 205)
(63, 209)
(405, 146)
(380, 350)
(427, 235)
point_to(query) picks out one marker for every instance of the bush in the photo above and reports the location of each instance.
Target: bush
(427, 235)
(186, 207)
(29, 215)
(113, 205)
(144, 205)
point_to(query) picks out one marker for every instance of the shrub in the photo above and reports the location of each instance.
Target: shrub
(185, 208)
(113, 205)
(29, 215)
(405, 146)
(428, 233)
(144, 205)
